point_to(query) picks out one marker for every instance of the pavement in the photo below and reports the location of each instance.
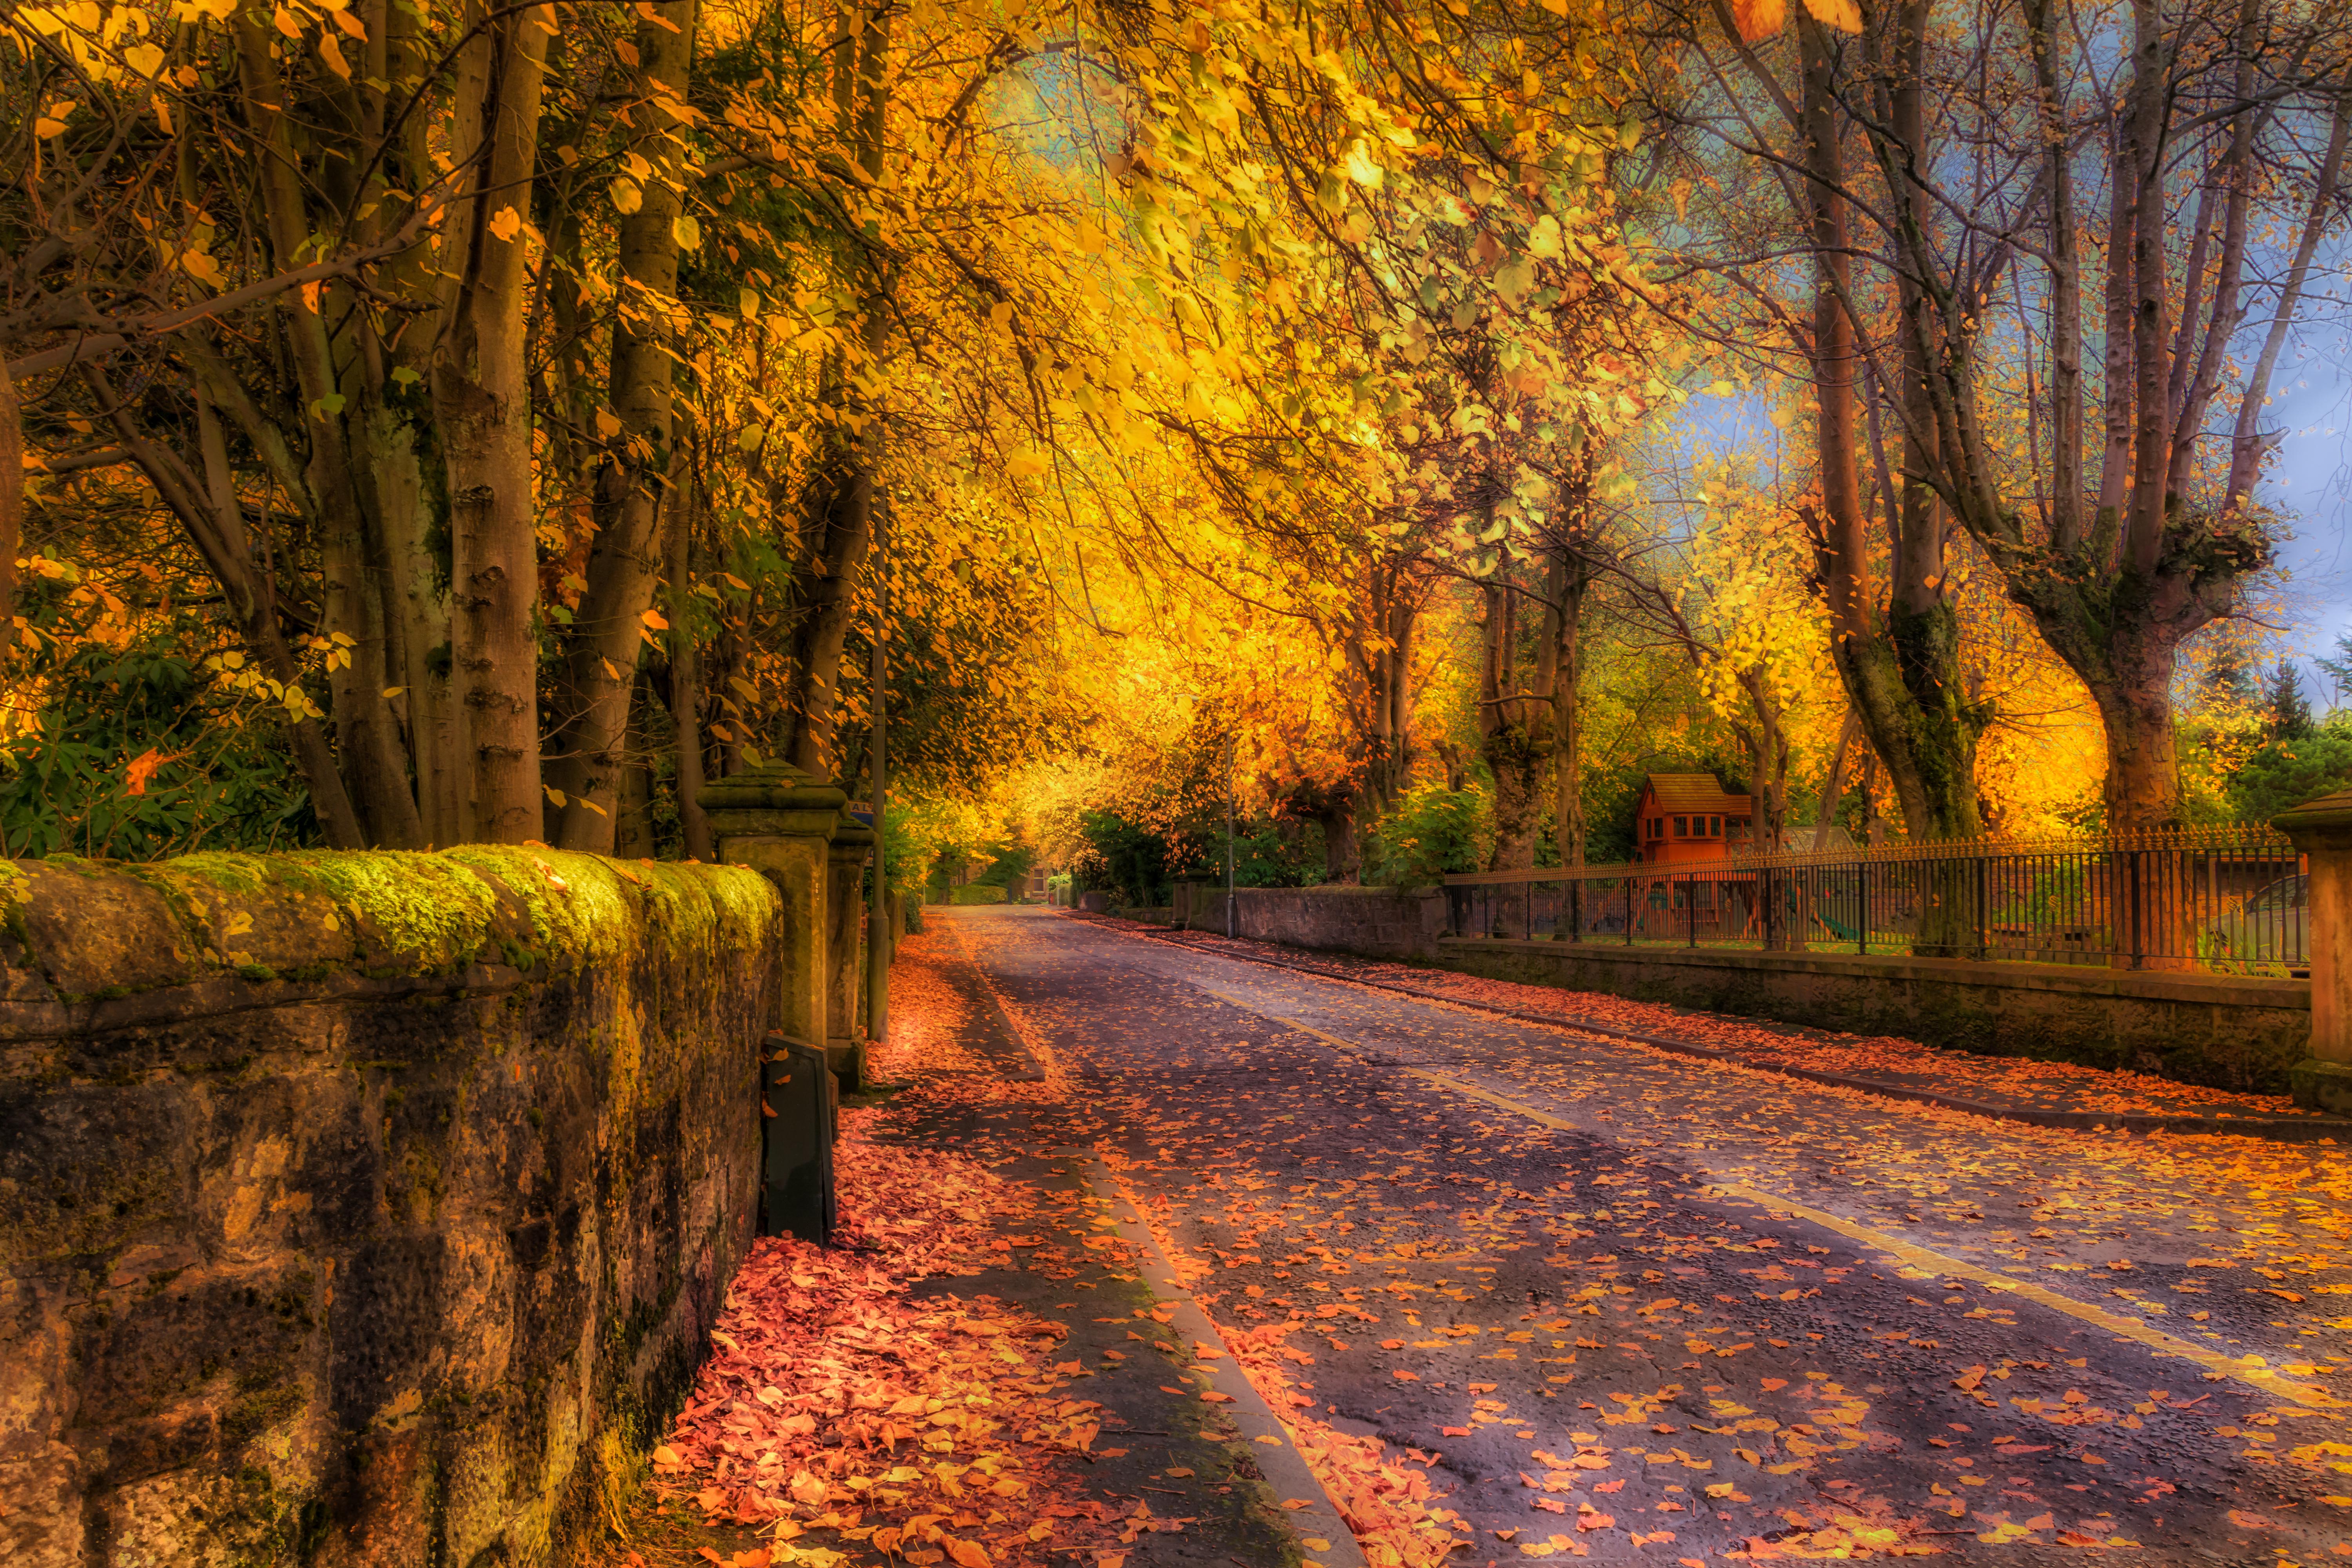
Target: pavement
(1608, 1300)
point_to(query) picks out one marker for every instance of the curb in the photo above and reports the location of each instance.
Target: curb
(2276, 1130)
(1286, 1470)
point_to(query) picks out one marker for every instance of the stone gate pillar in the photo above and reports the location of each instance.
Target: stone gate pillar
(2321, 830)
(845, 991)
(780, 821)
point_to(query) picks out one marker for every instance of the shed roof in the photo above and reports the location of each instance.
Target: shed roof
(1694, 791)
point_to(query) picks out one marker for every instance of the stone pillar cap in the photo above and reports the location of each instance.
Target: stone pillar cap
(773, 799)
(2325, 822)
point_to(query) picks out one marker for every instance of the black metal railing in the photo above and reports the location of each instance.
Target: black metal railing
(2226, 900)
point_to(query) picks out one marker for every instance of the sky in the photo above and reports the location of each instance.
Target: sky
(2311, 482)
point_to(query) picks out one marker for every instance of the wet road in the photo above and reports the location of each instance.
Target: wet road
(1631, 1306)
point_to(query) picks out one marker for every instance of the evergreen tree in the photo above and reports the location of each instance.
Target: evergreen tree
(2290, 711)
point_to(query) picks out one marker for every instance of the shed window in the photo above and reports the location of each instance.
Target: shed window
(1715, 827)
(1681, 828)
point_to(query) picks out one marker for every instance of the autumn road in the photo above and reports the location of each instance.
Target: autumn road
(1619, 1300)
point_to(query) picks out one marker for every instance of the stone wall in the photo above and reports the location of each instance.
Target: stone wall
(1380, 922)
(362, 1208)
(2213, 1029)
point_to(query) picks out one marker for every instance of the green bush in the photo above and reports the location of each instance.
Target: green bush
(975, 893)
(215, 772)
(2291, 769)
(1010, 868)
(1430, 831)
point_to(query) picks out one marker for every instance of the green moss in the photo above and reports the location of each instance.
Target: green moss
(430, 908)
(260, 1409)
(394, 914)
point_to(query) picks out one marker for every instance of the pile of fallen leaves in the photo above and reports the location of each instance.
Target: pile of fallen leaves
(834, 1403)
(2006, 1081)
(1386, 1504)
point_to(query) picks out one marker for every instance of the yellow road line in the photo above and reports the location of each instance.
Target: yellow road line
(1918, 1256)
(2156, 1340)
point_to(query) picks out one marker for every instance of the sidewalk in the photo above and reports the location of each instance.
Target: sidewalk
(985, 1370)
(2038, 1093)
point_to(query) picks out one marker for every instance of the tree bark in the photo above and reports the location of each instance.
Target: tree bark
(1572, 577)
(686, 678)
(2066, 490)
(2147, 142)
(355, 565)
(1898, 659)
(482, 394)
(838, 525)
(600, 667)
(1825, 814)
(12, 502)
(1516, 748)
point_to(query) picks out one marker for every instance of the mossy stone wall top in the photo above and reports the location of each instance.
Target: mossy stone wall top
(80, 933)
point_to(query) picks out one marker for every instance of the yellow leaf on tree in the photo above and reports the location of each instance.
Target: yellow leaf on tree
(506, 223)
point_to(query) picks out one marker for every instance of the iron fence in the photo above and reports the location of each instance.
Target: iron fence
(2226, 900)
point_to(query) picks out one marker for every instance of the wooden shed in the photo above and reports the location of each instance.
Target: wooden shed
(1688, 816)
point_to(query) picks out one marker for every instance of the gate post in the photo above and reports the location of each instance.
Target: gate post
(2321, 830)
(845, 935)
(780, 821)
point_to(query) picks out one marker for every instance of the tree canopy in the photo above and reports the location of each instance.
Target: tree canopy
(425, 421)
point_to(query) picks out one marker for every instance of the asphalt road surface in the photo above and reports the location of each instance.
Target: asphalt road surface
(1636, 1307)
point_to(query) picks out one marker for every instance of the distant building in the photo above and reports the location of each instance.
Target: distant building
(1803, 840)
(1688, 816)
(1685, 817)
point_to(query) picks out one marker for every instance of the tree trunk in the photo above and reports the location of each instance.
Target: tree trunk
(1574, 578)
(2066, 401)
(355, 567)
(1825, 816)
(599, 668)
(1404, 618)
(1516, 754)
(1342, 860)
(482, 394)
(839, 513)
(12, 503)
(686, 678)
(1899, 659)
(2143, 785)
